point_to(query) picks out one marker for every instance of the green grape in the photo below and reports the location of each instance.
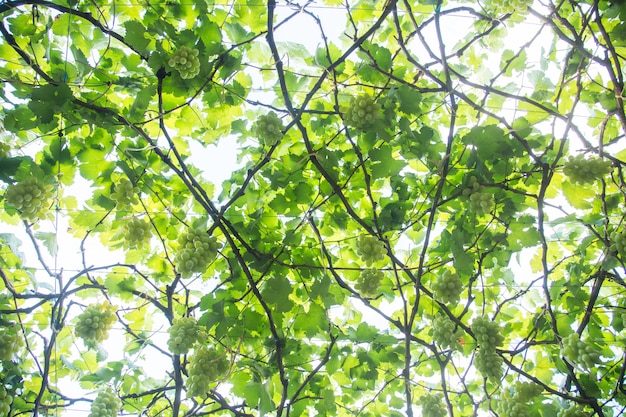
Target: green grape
(579, 353)
(574, 411)
(137, 233)
(480, 201)
(447, 287)
(618, 242)
(363, 112)
(184, 332)
(197, 251)
(30, 197)
(125, 194)
(370, 249)
(514, 403)
(94, 323)
(186, 62)
(445, 333)
(586, 171)
(432, 405)
(5, 401)
(10, 342)
(106, 404)
(487, 333)
(509, 6)
(205, 367)
(369, 281)
(489, 364)
(269, 128)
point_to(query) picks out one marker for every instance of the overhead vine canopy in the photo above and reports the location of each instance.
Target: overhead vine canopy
(341, 208)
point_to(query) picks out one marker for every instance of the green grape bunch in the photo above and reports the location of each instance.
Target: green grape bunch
(432, 405)
(583, 170)
(137, 233)
(185, 61)
(10, 342)
(487, 333)
(93, 324)
(515, 403)
(6, 399)
(125, 194)
(369, 281)
(30, 197)
(106, 404)
(370, 249)
(363, 112)
(196, 252)
(489, 364)
(618, 242)
(184, 333)
(445, 333)
(573, 411)
(206, 366)
(579, 353)
(481, 202)
(269, 128)
(447, 287)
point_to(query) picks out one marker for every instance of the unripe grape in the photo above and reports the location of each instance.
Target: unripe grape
(137, 233)
(514, 403)
(205, 367)
(363, 112)
(487, 333)
(583, 170)
(186, 62)
(184, 332)
(489, 364)
(30, 197)
(447, 287)
(94, 323)
(481, 202)
(579, 353)
(6, 399)
(106, 404)
(269, 128)
(432, 405)
(370, 249)
(573, 411)
(125, 194)
(445, 333)
(10, 342)
(196, 252)
(369, 281)
(508, 6)
(618, 242)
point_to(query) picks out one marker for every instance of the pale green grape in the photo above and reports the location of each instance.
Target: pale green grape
(573, 411)
(432, 405)
(137, 233)
(184, 332)
(579, 353)
(30, 197)
(196, 252)
(618, 242)
(363, 112)
(269, 128)
(186, 62)
(125, 194)
(444, 332)
(205, 367)
(514, 403)
(5, 402)
(370, 249)
(106, 404)
(583, 170)
(94, 323)
(10, 342)
(508, 6)
(447, 287)
(487, 333)
(481, 202)
(369, 281)
(489, 364)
